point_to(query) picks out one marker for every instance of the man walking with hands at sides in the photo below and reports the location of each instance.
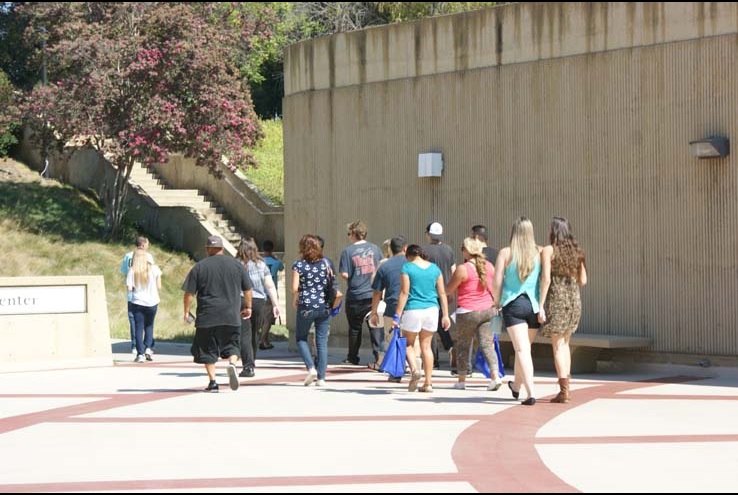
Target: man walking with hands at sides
(359, 262)
(219, 282)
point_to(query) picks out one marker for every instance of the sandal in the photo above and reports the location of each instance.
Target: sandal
(373, 366)
(426, 388)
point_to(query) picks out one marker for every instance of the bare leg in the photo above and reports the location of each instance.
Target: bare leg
(520, 335)
(426, 353)
(210, 368)
(410, 350)
(562, 354)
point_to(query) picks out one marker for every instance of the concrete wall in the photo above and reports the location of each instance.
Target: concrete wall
(581, 110)
(43, 341)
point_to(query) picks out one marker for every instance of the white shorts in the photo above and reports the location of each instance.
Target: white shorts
(415, 320)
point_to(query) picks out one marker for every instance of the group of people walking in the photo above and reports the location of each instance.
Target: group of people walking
(423, 291)
(421, 286)
(236, 304)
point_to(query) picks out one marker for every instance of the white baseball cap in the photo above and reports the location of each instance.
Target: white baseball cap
(435, 229)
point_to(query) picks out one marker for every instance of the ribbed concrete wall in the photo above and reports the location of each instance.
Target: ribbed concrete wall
(572, 109)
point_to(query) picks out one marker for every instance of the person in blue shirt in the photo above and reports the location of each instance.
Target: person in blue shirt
(275, 266)
(421, 291)
(517, 288)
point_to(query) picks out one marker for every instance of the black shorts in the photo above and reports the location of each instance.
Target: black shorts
(520, 310)
(214, 342)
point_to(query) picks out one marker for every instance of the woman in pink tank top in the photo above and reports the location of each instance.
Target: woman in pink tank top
(473, 282)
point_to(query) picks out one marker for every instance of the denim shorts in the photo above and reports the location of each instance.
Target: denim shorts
(520, 310)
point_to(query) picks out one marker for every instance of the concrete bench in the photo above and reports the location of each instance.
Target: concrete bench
(585, 350)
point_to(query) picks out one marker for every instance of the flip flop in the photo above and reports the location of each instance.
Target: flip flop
(373, 366)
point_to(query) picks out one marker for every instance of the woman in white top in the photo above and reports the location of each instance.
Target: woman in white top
(144, 281)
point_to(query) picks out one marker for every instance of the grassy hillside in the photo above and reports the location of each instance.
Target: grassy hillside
(50, 229)
(269, 176)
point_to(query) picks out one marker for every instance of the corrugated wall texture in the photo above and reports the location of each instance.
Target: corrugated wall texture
(600, 138)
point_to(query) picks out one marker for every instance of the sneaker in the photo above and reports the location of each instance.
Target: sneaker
(494, 385)
(139, 358)
(320, 383)
(414, 379)
(247, 373)
(212, 387)
(311, 376)
(232, 376)
(148, 354)
(460, 385)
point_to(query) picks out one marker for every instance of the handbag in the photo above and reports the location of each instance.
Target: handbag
(331, 292)
(394, 359)
(480, 363)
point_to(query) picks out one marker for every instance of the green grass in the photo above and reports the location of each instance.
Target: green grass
(269, 176)
(49, 229)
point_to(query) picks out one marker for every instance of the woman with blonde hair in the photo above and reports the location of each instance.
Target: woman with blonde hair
(564, 271)
(474, 310)
(263, 287)
(144, 282)
(517, 288)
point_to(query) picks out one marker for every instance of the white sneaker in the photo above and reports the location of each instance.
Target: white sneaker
(320, 383)
(494, 385)
(311, 376)
(460, 385)
(147, 353)
(139, 359)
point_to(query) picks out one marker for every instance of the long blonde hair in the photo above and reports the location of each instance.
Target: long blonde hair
(523, 247)
(140, 267)
(475, 248)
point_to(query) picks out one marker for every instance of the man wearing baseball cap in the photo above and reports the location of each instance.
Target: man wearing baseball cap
(223, 290)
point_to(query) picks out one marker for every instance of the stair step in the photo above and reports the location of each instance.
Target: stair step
(205, 206)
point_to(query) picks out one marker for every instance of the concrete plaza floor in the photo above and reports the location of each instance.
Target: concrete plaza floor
(148, 427)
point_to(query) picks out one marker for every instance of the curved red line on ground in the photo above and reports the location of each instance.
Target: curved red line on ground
(498, 453)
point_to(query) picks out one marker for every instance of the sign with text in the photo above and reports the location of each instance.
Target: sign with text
(42, 299)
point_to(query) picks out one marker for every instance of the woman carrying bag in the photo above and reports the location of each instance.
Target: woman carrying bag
(421, 289)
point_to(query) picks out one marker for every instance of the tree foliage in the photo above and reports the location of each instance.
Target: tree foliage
(9, 117)
(139, 81)
(292, 22)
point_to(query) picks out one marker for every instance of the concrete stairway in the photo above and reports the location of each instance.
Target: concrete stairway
(205, 208)
(207, 211)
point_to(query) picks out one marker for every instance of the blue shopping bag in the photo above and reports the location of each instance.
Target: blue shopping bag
(480, 364)
(500, 366)
(394, 359)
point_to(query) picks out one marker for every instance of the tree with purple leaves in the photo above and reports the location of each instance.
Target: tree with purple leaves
(140, 81)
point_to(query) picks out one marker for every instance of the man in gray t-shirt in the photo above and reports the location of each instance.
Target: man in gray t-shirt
(358, 263)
